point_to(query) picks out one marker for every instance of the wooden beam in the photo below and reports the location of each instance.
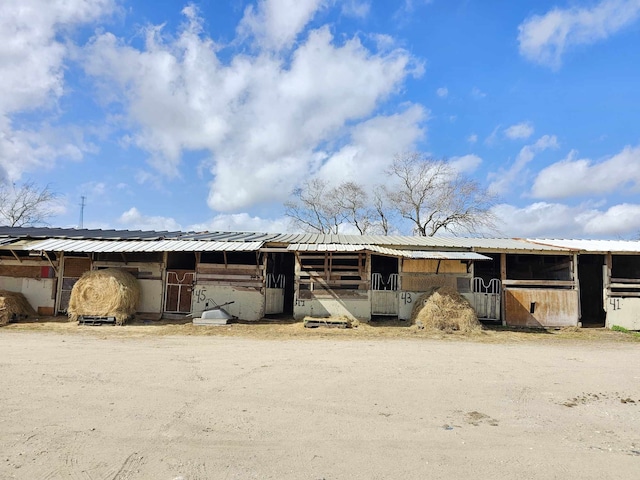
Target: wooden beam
(576, 279)
(51, 263)
(539, 283)
(15, 255)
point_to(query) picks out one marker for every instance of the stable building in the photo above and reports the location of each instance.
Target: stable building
(516, 282)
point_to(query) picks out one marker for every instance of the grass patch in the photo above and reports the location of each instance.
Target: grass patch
(618, 328)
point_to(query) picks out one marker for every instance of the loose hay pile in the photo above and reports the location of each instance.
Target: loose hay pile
(14, 306)
(105, 293)
(445, 309)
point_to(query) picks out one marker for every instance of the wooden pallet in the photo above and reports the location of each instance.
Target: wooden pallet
(94, 320)
(210, 321)
(326, 322)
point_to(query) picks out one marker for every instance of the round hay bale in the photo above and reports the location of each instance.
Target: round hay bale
(446, 310)
(14, 306)
(105, 293)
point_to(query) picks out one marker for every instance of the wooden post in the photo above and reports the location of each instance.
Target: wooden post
(606, 284)
(576, 280)
(59, 276)
(503, 278)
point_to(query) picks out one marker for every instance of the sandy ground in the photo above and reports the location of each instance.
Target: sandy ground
(97, 403)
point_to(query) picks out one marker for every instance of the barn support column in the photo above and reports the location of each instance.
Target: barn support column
(59, 275)
(503, 278)
(576, 280)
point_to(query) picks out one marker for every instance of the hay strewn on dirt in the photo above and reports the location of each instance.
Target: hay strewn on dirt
(105, 293)
(445, 309)
(14, 306)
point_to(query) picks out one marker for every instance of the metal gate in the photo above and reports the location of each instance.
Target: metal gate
(274, 295)
(384, 294)
(486, 298)
(178, 292)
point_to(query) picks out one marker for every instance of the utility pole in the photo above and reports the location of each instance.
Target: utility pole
(82, 204)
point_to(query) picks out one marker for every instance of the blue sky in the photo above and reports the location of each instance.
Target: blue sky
(206, 115)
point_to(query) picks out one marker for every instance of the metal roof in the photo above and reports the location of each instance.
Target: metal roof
(593, 246)
(94, 246)
(7, 241)
(326, 247)
(428, 254)
(423, 254)
(439, 243)
(435, 243)
(47, 232)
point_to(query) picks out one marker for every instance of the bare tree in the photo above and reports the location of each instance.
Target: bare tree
(318, 207)
(26, 204)
(381, 210)
(351, 200)
(314, 208)
(434, 197)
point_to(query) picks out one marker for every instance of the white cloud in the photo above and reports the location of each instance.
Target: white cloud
(466, 163)
(33, 49)
(356, 8)
(410, 5)
(544, 38)
(557, 220)
(275, 24)
(266, 119)
(504, 180)
(538, 220)
(374, 143)
(493, 136)
(619, 220)
(477, 93)
(243, 222)
(132, 219)
(576, 177)
(442, 92)
(519, 131)
(473, 138)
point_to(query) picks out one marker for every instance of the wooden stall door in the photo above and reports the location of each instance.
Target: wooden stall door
(73, 268)
(179, 290)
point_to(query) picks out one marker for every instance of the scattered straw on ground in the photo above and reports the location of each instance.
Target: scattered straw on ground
(446, 310)
(288, 329)
(105, 293)
(14, 306)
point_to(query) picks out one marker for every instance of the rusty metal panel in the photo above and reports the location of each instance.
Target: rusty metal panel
(433, 266)
(541, 307)
(418, 282)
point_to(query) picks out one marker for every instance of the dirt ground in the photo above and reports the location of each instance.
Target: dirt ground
(180, 402)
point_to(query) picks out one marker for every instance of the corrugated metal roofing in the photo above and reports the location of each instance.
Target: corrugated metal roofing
(94, 246)
(593, 246)
(428, 254)
(7, 241)
(47, 232)
(425, 254)
(436, 243)
(325, 247)
(498, 244)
